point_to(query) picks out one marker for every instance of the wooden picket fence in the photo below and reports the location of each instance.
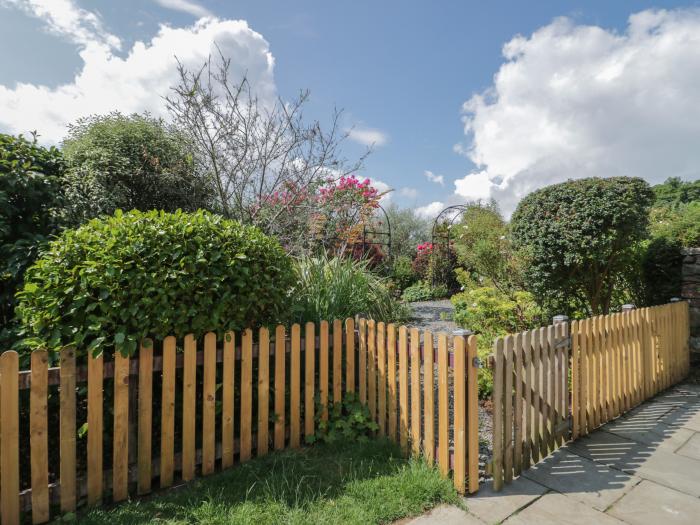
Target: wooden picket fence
(184, 408)
(558, 382)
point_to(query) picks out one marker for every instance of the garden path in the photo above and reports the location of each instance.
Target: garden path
(435, 316)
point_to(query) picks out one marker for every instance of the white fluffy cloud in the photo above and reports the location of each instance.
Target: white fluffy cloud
(430, 211)
(368, 136)
(134, 83)
(573, 101)
(186, 6)
(437, 179)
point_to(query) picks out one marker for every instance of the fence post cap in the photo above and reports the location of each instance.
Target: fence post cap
(675, 299)
(628, 307)
(462, 332)
(561, 318)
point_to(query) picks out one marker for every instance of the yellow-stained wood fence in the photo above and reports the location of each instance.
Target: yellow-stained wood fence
(562, 381)
(182, 408)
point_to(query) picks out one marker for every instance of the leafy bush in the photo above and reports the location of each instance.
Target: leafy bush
(116, 280)
(424, 291)
(348, 421)
(30, 200)
(579, 238)
(490, 313)
(130, 162)
(402, 272)
(337, 288)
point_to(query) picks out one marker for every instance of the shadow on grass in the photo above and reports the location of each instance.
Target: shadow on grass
(340, 483)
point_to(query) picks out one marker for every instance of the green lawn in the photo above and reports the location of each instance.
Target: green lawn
(344, 483)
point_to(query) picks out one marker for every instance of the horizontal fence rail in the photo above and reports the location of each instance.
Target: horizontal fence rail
(95, 430)
(561, 382)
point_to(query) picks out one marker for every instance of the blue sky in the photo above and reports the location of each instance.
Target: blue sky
(402, 70)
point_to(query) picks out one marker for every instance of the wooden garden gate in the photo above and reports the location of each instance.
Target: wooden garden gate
(562, 381)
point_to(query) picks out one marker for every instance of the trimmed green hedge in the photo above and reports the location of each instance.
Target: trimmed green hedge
(116, 280)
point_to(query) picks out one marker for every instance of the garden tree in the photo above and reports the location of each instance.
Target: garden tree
(118, 279)
(408, 230)
(485, 251)
(579, 239)
(30, 201)
(675, 224)
(251, 150)
(129, 162)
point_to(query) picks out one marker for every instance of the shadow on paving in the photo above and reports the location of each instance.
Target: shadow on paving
(655, 441)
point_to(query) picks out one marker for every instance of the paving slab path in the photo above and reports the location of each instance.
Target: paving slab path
(640, 469)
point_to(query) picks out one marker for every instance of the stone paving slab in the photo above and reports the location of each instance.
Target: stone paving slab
(691, 448)
(446, 515)
(652, 504)
(557, 509)
(493, 507)
(684, 417)
(662, 436)
(584, 480)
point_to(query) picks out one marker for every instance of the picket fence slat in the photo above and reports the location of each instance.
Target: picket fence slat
(403, 388)
(337, 361)
(68, 430)
(246, 426)
(209, 404)
(372, 368)
(295, 389)
(362, 361)
(280, 367)
(443, 408)
(263, 392)
(323, 369)
(38, 435)
(460, 431)
(428, 398)
(167, 425)
(415, 391)
(228, 399)
(309, 391)
(95, 430)
(349, 355)
(145, 415)
(391, 378)
(381, 378)
(9, 437)
(189, 407)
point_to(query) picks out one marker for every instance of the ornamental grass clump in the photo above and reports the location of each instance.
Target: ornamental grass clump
(114, 281)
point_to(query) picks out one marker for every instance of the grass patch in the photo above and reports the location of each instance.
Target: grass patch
(329, 483)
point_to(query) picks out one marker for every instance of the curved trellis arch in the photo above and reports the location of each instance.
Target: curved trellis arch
(378, 236)
(441, 233)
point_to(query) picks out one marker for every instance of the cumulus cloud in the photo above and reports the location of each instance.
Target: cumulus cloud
(430, 211)
(136, 82)
(186, 6)
(574, 101)
(437, 179)
(64, 18)
(409, 193)
(367, 136)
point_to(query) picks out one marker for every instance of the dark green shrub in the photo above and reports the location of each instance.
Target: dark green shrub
(116, 280)
(579, 239)
(489, 313)
(424, 291)
(30, 200)
(402, 272)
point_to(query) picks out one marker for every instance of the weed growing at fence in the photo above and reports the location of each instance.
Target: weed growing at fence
(344, 482)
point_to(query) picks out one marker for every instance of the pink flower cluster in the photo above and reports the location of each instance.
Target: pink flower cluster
(425, 247)
(349, 184)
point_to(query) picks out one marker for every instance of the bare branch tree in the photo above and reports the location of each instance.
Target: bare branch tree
(258, 153)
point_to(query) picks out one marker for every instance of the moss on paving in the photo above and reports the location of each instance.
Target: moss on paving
(359, 483)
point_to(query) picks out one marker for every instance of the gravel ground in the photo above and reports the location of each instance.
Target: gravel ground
(436, 316)
(428, 315)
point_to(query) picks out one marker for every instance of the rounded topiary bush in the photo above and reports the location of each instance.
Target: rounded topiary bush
(116, 280)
